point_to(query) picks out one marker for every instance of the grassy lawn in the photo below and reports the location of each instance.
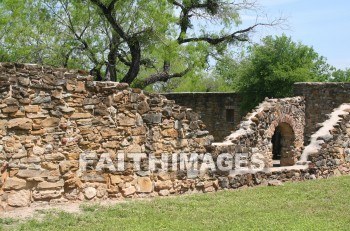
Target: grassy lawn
(311, 205)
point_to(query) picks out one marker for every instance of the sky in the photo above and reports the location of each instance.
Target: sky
(322, 24)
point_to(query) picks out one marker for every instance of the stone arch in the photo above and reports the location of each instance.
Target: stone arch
(255, 132)
(283, 141)
(292, 153)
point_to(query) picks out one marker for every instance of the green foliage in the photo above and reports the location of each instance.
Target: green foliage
(341, 76)
(77, 34)
(270, 69)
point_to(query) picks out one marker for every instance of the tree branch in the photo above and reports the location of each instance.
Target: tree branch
(132, 42)
(163, 77)
(237, 35)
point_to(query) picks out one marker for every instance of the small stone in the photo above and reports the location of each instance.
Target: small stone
(90, 192)
(164, 192)
(41, 100)
(170, 133)
(144, 184)
(128, 191)
(274, 183)
(116, 179)
(50, 122)
(38, 150)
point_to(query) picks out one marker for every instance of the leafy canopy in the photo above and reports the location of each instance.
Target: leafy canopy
(271, 68)
(135, 41)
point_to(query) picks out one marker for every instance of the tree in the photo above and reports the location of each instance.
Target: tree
(341, 75)
(135, 41)
(270, 69)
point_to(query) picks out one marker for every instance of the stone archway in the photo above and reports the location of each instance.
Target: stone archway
(283, 150)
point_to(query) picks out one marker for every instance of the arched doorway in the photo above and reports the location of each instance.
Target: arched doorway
(283, 145)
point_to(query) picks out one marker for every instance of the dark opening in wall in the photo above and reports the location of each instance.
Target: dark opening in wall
(230, 115)
(276, 144)
(283, 145)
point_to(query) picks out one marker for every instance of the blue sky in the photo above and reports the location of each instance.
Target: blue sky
(322, 24)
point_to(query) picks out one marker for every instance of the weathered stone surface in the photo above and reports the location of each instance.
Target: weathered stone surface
(54, 157)
(38, 150)
(164, 192)
(77, 115)
(29, 173)
(46, 194)
(20, 123)
(41, 99)
(50, 122)
(144, 185)
(50, 185)
(116, 179)
(143, 107)
(14, 183)
(128, 191)
(170, 133)
(61, 134)
(160, 185)
(274, 183)
(19, 198)
(90, 192)
(10, 109)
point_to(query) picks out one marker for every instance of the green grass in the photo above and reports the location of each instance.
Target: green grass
(311, 205)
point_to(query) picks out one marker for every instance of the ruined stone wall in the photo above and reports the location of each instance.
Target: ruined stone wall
(329, 149)
(220, 111)
(256, 130)
(64, 136)
(61, 134)
(320, 100)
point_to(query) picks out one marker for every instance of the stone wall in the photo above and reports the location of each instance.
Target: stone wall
(64, 137)
(329, 149)
(61, 135)
(320, 100)
(220, 111)
(257, 129)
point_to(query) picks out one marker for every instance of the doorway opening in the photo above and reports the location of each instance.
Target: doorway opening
(283, 145)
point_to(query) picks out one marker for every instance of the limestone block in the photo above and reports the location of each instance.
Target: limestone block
(125, 120)
(143, 107)
(90, 192)
(54, 157)
(101, 191)
(128, 191)
(11, 101)
(170, 133)
(65, 166)
(19, 198)
(164, 192)
(50, 185)
(160, 185)
(78, 115)
(10, 109)
(38, 150)
(50, 122)
(14, 183)
(20, 123)
(46, 194)
(32, 108)
(144, 184)
(41, 99)
(29, 173)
